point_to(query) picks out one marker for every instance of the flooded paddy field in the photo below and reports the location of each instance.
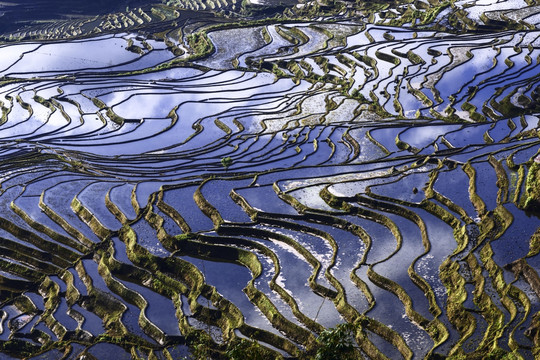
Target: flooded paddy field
(225, 180)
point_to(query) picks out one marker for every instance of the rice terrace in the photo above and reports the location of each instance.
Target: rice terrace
(266, 179)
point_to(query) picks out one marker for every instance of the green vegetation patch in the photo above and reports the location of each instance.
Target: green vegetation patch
(531, 198)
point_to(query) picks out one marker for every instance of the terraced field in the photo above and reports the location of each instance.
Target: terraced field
(226, 180)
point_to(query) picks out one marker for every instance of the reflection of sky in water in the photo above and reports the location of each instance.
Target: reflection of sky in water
(9, 54)
(499, 131)
(92, 323)
(120, 195)
(278, 42)
(514, 243)
(471, 134)
(264, 198)
(93, 198)
(294, 279)
(358, 39)
(395, 268)
(227, 46)
(453, 80)
(486, 186)
(310, 197)
(422, 136)
(409, 103)
(227, 91)
(61, 315)
(30, 205)
(152, 58)
(316, 40)
(387, 137)
(229, 279)
(483, 6)
(403, 189)
(59, 194)
(450, 184)
(199, 103)
(202, 98)
(66, 57)
(520, 72)
(217, 193)
(101, 52)
(160, 309)
(182, 200)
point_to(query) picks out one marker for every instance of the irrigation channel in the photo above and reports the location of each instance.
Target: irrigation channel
(197, 178)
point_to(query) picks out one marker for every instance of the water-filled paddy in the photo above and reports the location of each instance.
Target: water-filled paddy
(298, 175)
